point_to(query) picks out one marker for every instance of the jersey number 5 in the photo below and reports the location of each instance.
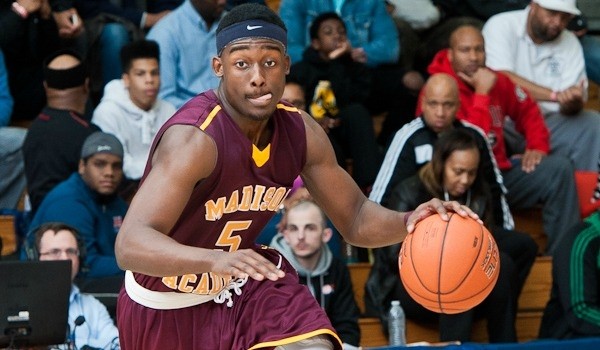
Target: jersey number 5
(228, 239)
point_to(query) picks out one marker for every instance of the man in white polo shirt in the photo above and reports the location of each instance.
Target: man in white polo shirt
(533, 47)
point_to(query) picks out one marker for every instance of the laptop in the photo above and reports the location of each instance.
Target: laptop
(34, 302)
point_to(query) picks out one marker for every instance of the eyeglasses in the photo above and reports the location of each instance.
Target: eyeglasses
(56, 253)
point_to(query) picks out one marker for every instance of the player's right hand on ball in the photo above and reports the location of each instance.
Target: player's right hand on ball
(246, 262)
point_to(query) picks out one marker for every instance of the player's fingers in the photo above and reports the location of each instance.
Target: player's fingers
(439, 207)
(258, 267)
(456, 207)
(462, 210)
(472, 214)
(236, 272)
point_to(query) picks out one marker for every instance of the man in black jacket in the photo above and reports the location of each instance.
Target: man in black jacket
(52, 147)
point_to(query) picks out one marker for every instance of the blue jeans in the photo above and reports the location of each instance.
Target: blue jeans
(114, 36)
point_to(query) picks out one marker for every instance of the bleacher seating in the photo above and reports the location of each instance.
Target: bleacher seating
(530, 221)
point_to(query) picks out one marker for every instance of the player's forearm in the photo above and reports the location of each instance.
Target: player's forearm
(376, 226)
(152, 253)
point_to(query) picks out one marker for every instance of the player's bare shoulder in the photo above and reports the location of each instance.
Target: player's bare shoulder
(186, 148)
(319, 149)
(310, 124)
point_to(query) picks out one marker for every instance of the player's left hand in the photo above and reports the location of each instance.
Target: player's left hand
(244, 263)
(436, 206)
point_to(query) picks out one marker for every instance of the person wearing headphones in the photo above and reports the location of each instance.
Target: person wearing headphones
(90, 325)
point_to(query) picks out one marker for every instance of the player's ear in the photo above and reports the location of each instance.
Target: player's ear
(217, 66)
(327, 234)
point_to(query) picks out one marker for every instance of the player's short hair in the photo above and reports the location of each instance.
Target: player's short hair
(250, 20)
(313, 31)
(138, 49)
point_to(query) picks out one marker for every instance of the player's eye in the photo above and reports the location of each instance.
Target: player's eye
(270, 63)
(241, 64)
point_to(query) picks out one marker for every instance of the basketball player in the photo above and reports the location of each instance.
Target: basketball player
(218, 170)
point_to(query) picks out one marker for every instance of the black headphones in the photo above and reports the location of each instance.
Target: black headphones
(31, 249)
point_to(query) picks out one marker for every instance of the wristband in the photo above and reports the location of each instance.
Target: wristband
(554, 96)
(406, 215)
(19, 10)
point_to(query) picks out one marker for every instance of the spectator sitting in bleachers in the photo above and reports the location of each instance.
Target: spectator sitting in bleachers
(187, 44)
(555, 75)
(573, 310)
(131, 109)
(373, 41)
(87, 201)
(454, 13)
(110, 25)
(53, 143)
(454, 173)
(532, 177)
(337, 88)
(58, 241)
(303, 242)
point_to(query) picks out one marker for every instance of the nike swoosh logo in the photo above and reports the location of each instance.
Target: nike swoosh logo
(249, 27)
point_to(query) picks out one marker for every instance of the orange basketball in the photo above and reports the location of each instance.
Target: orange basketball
(449, 266)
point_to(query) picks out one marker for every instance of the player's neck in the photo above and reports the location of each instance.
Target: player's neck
(258, 131)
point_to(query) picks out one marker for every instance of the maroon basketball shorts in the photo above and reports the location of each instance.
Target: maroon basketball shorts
(265, 315)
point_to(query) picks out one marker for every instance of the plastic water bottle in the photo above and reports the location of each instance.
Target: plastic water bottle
(397, 324)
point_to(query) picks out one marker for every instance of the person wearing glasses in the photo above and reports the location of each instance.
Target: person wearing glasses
(90, 324)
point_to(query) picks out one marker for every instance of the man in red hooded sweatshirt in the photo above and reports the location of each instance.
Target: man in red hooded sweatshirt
(487, 97)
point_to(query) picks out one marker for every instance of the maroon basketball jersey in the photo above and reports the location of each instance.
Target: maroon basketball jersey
(228, 210)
